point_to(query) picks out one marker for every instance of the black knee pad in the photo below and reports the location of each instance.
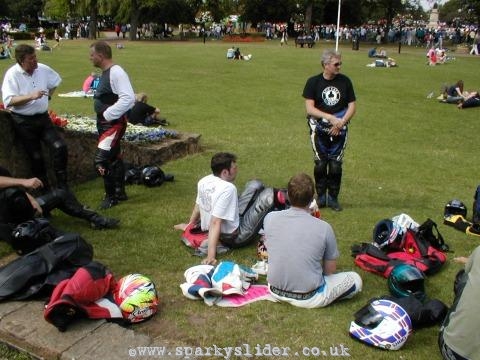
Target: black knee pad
(320, 167)
(60, 150)
(18, 205)
(102, 163)
(252, 221)
(251, 191)
(52, 200)
(335, 167)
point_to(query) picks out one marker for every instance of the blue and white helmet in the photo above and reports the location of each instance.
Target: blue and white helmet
(382, 323)
(388, 233)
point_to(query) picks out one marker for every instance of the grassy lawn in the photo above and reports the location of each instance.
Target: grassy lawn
(406, 154)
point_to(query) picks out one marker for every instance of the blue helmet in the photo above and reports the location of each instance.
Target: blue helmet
(455, 207)
(405, 280)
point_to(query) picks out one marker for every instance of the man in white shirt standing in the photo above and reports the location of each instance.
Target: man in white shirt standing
(27, 88)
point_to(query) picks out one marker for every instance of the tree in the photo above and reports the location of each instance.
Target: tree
(451, 12)
(257, 11)
(472, 10)
(57, 9)
(386, 9)
(24, 10)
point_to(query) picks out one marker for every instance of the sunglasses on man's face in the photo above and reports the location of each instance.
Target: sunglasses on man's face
(337, 64)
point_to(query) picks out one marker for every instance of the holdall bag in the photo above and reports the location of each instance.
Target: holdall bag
(416, 251)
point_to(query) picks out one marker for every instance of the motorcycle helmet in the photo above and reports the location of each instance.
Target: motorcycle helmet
(387, 233)
(382, 323)
(133, 175)
(455, 207)
(32, 234)
(153, 176)
(405, 280)
(137, 297)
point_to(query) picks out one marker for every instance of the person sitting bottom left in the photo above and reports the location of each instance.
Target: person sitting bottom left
(19, 205)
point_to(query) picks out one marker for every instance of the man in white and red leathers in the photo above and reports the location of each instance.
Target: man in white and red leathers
(113, 99)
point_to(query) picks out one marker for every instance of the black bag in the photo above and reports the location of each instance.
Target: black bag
(430, 313)
(15, 207)
(428, 231)
(476, 206)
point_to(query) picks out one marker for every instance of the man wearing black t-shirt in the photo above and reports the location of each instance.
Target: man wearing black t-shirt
(330, 104)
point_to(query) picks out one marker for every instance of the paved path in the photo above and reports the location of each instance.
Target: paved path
(22, 326)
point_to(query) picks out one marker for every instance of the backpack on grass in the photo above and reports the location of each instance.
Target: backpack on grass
(421, 248)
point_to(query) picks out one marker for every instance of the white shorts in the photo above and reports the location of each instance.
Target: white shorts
(339, 286)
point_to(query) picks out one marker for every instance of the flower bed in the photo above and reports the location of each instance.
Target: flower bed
(242, 38)
(141, 145)
(134, 133)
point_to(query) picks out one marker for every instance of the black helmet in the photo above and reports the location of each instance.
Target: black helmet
(387, 233)
(455, 207)
(133, 176)
(32, 234)
(406, 280)
(153, 176)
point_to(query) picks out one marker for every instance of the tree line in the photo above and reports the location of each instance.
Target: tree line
(175, 12)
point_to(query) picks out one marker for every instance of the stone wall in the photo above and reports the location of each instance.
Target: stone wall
(81, 149)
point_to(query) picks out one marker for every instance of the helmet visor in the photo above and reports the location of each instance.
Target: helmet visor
(368, 317)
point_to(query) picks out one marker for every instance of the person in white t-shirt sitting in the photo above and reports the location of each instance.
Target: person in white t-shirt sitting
(231, 53)
(230, 220)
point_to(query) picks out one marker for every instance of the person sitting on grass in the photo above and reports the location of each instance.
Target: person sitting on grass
(432, 57)
(231, 53)
(459, 337)
(17, 205)
(4, 53)
(454, 94)
(441, 55)
(302, 253)
(231, 221)
(90, 83)
(382, 54)
(145, 114)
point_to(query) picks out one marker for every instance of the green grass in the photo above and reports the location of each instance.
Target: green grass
(8, 353)
(406, 153)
